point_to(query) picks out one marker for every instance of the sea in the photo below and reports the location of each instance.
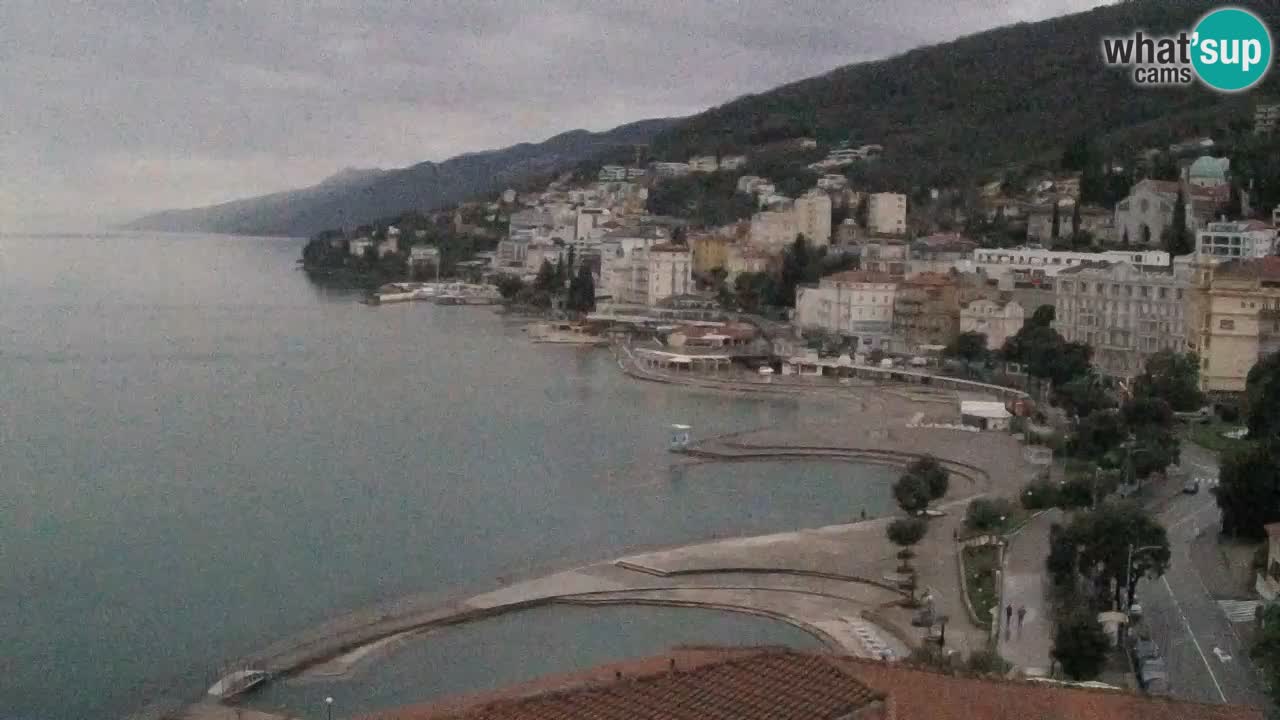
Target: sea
(203, 452)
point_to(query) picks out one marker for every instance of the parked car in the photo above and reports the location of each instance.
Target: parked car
(1191, 486)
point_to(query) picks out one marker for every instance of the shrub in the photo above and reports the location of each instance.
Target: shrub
(1039, 495)
(987, 514)
(1076, 493)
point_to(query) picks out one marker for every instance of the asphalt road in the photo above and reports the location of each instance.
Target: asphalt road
(1207, 662)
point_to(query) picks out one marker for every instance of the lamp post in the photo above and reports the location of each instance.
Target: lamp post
(328, 706)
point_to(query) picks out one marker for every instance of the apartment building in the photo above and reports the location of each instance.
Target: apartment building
(1235, 319)
(1235, 240)
(887, 214)
(997, 318)
(1125, 312)
(1011, 267)
(855, 304)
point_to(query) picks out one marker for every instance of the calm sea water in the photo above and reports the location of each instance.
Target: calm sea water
(202, 452)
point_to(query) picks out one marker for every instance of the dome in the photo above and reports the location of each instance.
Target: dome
(1210, 168)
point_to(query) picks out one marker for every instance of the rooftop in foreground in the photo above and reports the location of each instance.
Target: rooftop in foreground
(778, 684)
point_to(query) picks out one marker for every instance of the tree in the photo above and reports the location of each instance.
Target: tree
(1141, 413)
(582, 291)
(1248, 490)
(1105, 538)
(1081, 646)
(509, 286)
(1057, 220)
(753, 291)
(1084, 395)
(1075, 223)
(1178, 238)
(934, 475)
(968, 346)
(1097, 434)
(797, 268)
(1266, 650)
(546, 279)
(912, 493)
(1172, 377)
(1124, 240)
(1262, 392)
(1039, 495)
(1076, 493)
(906, 532)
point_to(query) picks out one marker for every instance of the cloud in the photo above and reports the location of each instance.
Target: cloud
(123, 106)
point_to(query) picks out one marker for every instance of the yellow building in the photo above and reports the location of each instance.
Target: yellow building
(709, 252)
(1234, 320)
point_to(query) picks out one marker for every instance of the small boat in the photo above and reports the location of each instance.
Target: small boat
(565, 333)
(237, 683)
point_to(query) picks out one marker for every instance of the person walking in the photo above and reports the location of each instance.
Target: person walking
(1008, 619)
(1022, 614)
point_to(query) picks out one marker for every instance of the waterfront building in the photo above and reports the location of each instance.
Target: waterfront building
(926, 309)
(359, 246)
(1234, 319)
(669, 273)
(625, 266)
(1010, 267)
(610, 173)
(887, 214)
(1125, 312)
(857, 304)
(997, 318)
(421, 256)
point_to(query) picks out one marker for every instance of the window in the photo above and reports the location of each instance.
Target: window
(1227, 324)
(1164, 293)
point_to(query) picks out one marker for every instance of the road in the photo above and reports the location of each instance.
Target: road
(1206, 659)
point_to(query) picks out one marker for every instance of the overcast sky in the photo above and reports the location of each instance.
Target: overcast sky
(112, 108)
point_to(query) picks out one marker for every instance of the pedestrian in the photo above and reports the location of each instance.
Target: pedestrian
(1022, 614)
(1008, 615)
(864, 513)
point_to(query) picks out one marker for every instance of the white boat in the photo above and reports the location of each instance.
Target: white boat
(237, 682)
(564, 333)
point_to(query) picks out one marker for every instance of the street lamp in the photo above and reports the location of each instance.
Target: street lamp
(328, 706)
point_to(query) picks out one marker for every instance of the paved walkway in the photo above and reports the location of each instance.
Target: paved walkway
(1025, 583)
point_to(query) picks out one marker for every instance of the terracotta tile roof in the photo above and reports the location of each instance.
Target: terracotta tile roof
(1266, 269)
(916, 694)
(777, 684)
(764, 685)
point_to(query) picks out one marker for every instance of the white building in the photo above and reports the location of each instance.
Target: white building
(423, 255)
(772, 231)
(670, 169)
(997, 320)
(587, 230)
(813, 217)
(359, 246)
(670, 272)
(741, 259)
(887, 213)
(703, 164)
(1231, 240)
(832, 182)
(624, 262)
(1126, 313)
(857, 304)
(749, 183)
(732, 162)
(1010, 266)
(612, 173)
(635, 172)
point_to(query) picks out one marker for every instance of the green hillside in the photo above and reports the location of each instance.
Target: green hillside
(955, 112)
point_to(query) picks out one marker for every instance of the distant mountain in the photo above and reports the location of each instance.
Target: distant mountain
(1011, 95)
(355, 196)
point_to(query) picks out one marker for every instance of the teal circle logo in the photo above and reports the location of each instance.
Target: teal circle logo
(1231, 49)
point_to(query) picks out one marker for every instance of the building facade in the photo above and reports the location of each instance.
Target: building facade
(997, 319)
(774, 230)
(670, 272)
(887, 214)
(1013, 267)
(1125, 312)
(1235, 240)
(855, 304)
(710, 251)
(1236, 320)
(885, 255)
(813, 217)
(1143, 216)
(1098, 222)
(926, 309)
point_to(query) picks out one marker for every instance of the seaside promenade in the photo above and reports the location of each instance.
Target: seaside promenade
(836, 582)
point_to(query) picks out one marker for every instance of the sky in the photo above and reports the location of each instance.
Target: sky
(115, 108)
